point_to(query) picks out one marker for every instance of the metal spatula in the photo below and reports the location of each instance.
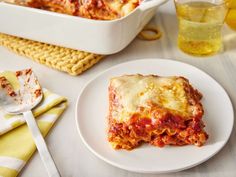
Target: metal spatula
(22, 101)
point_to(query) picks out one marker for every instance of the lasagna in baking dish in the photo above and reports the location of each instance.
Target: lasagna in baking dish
(156, 110)
(94, 9)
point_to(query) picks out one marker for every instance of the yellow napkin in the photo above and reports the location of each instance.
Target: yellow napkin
(16, 143)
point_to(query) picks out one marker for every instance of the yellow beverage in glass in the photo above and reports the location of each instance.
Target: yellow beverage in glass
(231, 17)
(200, 24)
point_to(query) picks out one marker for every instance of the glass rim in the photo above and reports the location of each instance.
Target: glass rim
(221, 3)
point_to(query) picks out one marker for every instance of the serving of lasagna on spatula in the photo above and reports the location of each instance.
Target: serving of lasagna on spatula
(156, 110)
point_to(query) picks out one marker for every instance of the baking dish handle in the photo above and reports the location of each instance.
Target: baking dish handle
(150, 4)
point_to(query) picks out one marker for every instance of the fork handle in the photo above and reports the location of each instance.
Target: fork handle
(41, 145)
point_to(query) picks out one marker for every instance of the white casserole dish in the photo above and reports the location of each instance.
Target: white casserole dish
(96, 36)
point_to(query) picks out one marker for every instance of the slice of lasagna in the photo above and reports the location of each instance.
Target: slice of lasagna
(156, 110)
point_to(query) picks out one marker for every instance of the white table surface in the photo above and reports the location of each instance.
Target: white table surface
(70, 154)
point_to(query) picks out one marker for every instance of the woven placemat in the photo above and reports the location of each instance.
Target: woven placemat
(68, 60)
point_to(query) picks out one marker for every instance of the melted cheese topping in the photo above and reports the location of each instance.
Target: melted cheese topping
(123, 8)
(136, 91)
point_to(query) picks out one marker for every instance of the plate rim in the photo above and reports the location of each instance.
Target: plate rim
(147, 171)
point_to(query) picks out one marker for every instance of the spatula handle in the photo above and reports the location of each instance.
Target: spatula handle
(41, 145)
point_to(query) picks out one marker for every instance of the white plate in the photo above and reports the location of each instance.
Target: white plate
(92, 108)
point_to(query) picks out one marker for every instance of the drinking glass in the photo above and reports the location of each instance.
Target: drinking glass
(200, 24)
